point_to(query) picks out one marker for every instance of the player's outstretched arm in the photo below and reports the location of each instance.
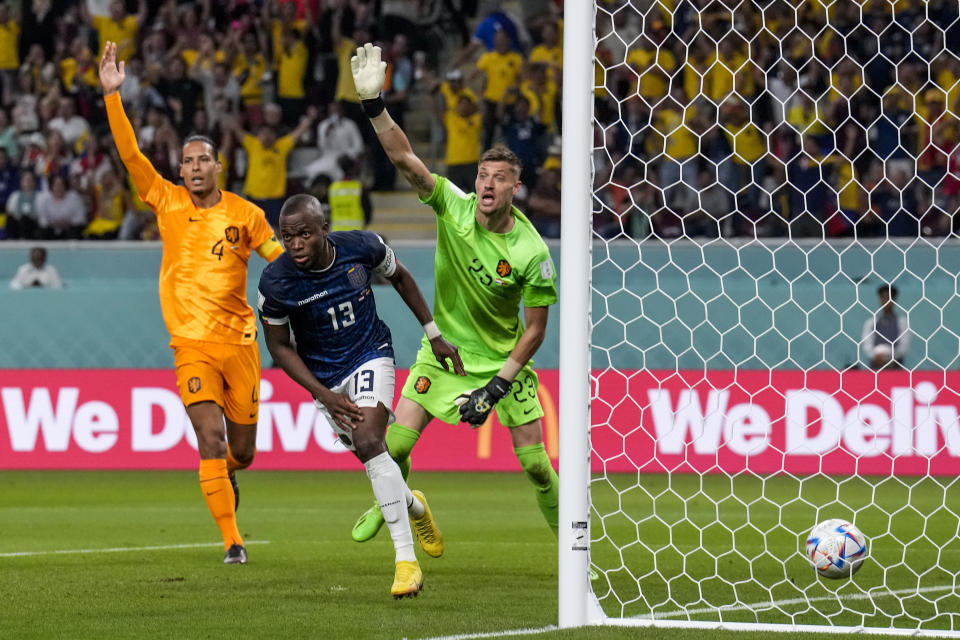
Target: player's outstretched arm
(369, 73)
(402, 280)
(340, 407)
(112, 75)
(476, 406)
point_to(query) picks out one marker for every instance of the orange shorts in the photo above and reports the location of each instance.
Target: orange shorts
(228, 374)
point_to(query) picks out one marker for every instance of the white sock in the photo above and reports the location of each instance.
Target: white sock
(415, 507)
(393, 496)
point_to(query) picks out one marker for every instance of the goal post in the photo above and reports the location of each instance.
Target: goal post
(576, 235)
(733, 225)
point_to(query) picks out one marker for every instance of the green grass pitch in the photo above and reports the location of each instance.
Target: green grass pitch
(150, 564)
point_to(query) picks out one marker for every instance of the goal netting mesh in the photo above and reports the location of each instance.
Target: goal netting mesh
(767, 175)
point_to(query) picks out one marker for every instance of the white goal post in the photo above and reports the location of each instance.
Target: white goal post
(575, 234)
(719, 387)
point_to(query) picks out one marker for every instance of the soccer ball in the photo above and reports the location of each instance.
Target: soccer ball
(836, 548)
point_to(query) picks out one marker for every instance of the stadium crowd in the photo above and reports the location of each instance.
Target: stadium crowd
(269, 81)
(790, 117)
(798, 117)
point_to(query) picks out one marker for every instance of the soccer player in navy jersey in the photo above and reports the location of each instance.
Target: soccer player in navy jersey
(491, 268)
(319, 290)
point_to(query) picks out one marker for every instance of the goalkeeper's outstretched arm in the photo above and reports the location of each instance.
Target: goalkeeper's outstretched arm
(369, 72)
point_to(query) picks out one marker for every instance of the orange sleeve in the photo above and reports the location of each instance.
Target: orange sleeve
(262, 238)
(141, 171)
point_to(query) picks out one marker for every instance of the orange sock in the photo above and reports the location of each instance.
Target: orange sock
(233, 464)
(219, 496)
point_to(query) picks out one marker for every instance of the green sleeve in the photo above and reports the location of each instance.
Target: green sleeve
(540, 282)
(446, 198)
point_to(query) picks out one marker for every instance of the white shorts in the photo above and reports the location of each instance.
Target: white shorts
(369, 385)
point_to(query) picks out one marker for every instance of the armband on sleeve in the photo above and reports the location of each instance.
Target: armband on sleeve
(270, 250)
(387, 266)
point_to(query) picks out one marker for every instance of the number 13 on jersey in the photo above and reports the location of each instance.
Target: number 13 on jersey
(346, 317)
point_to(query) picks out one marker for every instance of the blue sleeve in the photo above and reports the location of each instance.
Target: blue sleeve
(270, 310)
(374, 247)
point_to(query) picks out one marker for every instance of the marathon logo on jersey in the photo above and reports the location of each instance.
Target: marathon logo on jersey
(503, 268)
(357, 276)
(422, 385)
(232, 234)
(312, 298)
(193, 384)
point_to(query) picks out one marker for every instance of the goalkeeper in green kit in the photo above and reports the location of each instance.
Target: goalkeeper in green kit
(489, 258)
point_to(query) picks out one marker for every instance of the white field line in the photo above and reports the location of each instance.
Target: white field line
(742, 626)
(163, 547)
(495, 634)
(792, 601)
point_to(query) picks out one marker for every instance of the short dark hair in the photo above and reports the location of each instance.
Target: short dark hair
(199, 137)
(888, 289)
(303, 202)
(499, 153)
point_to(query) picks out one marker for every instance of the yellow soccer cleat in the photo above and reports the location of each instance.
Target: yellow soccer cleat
(429, 536)
(407, 580)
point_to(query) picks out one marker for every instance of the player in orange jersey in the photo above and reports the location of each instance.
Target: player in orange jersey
(208, 235)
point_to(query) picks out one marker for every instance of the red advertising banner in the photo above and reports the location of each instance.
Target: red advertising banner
(133, 419)
(649, 421)
(857, 422)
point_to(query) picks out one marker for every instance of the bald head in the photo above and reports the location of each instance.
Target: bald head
(303, 231)
(304, 203)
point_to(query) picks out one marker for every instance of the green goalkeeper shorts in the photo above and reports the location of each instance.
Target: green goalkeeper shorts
(435, 389)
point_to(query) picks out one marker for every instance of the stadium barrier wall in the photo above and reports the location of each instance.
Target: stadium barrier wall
(816, 298)
(765, 422)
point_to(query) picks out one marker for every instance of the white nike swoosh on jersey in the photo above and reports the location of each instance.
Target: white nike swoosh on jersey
(384, 345)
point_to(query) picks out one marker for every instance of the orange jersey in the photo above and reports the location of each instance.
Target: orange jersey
(203, 274)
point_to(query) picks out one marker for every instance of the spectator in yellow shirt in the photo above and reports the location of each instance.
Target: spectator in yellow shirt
(291, 71)
(345, 47)
(743, 170)
(108, 207)
(678, 165)
(266, 181)
(730, 69)
(654, 65)
(501, 71)
(281, 15)
(249, 67)
(464, 126)
(550, 51)
(9, 47)
(120, 26)
(541, 91)
(79, 68)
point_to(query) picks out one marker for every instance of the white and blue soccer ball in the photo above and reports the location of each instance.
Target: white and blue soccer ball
(836, 548)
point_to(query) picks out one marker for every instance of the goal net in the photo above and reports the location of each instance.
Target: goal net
(767, 306)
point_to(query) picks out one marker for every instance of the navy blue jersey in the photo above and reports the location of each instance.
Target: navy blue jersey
(331, 312)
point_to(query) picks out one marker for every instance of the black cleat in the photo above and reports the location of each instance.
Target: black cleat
(236, 554)
(236, 490)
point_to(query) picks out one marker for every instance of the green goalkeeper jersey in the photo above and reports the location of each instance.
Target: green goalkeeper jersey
(481, 277)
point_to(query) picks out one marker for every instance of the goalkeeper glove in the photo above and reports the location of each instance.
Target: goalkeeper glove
(476, 406)
(369, 72)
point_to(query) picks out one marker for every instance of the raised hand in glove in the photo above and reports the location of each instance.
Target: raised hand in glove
(369, 72)
(475, 407)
